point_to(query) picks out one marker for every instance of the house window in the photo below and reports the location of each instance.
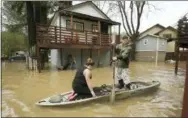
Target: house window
(68, 25)
(76, 25)
(145, 41)
(95, 28)
(167, 35)
(163, 43)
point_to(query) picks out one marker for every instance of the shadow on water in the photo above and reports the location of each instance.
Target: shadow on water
(22, 88)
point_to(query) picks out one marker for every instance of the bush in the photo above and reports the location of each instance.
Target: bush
(12, 42)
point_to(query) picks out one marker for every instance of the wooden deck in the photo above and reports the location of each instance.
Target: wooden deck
(61, 37)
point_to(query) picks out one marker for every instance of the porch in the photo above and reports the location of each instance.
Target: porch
(60, 37)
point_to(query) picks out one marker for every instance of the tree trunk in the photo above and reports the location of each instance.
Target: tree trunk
(31, 28)
(64, 4)
(41, 18)
(133, 51)
(30, 21)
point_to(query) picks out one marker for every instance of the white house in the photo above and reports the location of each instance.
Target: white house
(147, 48)
(82, 31)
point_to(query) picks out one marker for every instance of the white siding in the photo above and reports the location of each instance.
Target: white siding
(151, 45)
(171, 46)
(55, 58)
(90, 10)
(87, 23)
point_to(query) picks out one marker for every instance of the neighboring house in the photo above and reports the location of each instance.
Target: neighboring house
(82, 31)
(146, 46)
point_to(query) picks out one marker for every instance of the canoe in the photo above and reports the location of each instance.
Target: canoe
(137, 88)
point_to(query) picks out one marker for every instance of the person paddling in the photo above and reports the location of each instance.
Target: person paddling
(82, 85)
(122, 51)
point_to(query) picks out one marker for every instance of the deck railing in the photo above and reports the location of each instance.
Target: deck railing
(61, 35)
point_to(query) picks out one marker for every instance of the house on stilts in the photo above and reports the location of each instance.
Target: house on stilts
(82, 31)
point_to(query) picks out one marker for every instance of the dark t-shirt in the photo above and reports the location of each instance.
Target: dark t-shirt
(79, 78)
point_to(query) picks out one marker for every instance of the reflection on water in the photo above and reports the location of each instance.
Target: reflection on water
(22, 88)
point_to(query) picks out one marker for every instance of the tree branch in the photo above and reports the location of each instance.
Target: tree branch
(131, 7)
(103, 5)
(123, 21)
(126, 19)
(139, 14)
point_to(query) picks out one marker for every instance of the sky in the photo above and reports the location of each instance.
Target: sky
(167, 13)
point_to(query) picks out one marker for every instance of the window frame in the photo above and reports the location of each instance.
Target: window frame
(167, 35)
(93, 25)
(146, 42)
(73, 24)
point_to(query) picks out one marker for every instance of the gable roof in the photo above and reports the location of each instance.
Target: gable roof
(78, 8)
(68, 11)
(169, 27)
(149, 35)
(156, 25)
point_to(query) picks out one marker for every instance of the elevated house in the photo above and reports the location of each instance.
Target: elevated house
(158, 40)
(81, 30)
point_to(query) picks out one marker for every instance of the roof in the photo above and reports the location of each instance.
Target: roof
(152, 36)
(69, 11)
(169, 27)
(156, 25)
(84, 3)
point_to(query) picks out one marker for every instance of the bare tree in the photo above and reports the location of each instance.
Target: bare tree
(108, 7)
(131, 13)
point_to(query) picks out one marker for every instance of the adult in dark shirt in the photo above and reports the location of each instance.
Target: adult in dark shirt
(82, 81)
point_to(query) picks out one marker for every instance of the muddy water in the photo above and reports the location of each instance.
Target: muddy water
(22, 88)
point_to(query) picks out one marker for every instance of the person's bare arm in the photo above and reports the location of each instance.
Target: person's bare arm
(87, 75)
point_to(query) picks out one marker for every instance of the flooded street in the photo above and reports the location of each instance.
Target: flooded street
(22, 88)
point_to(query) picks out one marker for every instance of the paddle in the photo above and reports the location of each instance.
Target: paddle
(112, 96)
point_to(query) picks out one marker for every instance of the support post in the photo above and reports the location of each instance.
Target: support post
(119, 34)
(90, 53)
(55, 28)
(185, 99)
(177, 57)
(110, 34)
(38, 59)
(110, 43)
(99, 29)
(60, 27)
(71, 28)
(86, 36)
(157, 48)
(81, 56)
(61, 56)
(98, 55)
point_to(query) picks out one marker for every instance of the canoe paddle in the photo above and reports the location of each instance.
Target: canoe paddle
(112, 96)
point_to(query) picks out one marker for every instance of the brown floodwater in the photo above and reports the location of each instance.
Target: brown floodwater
(22, 88)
